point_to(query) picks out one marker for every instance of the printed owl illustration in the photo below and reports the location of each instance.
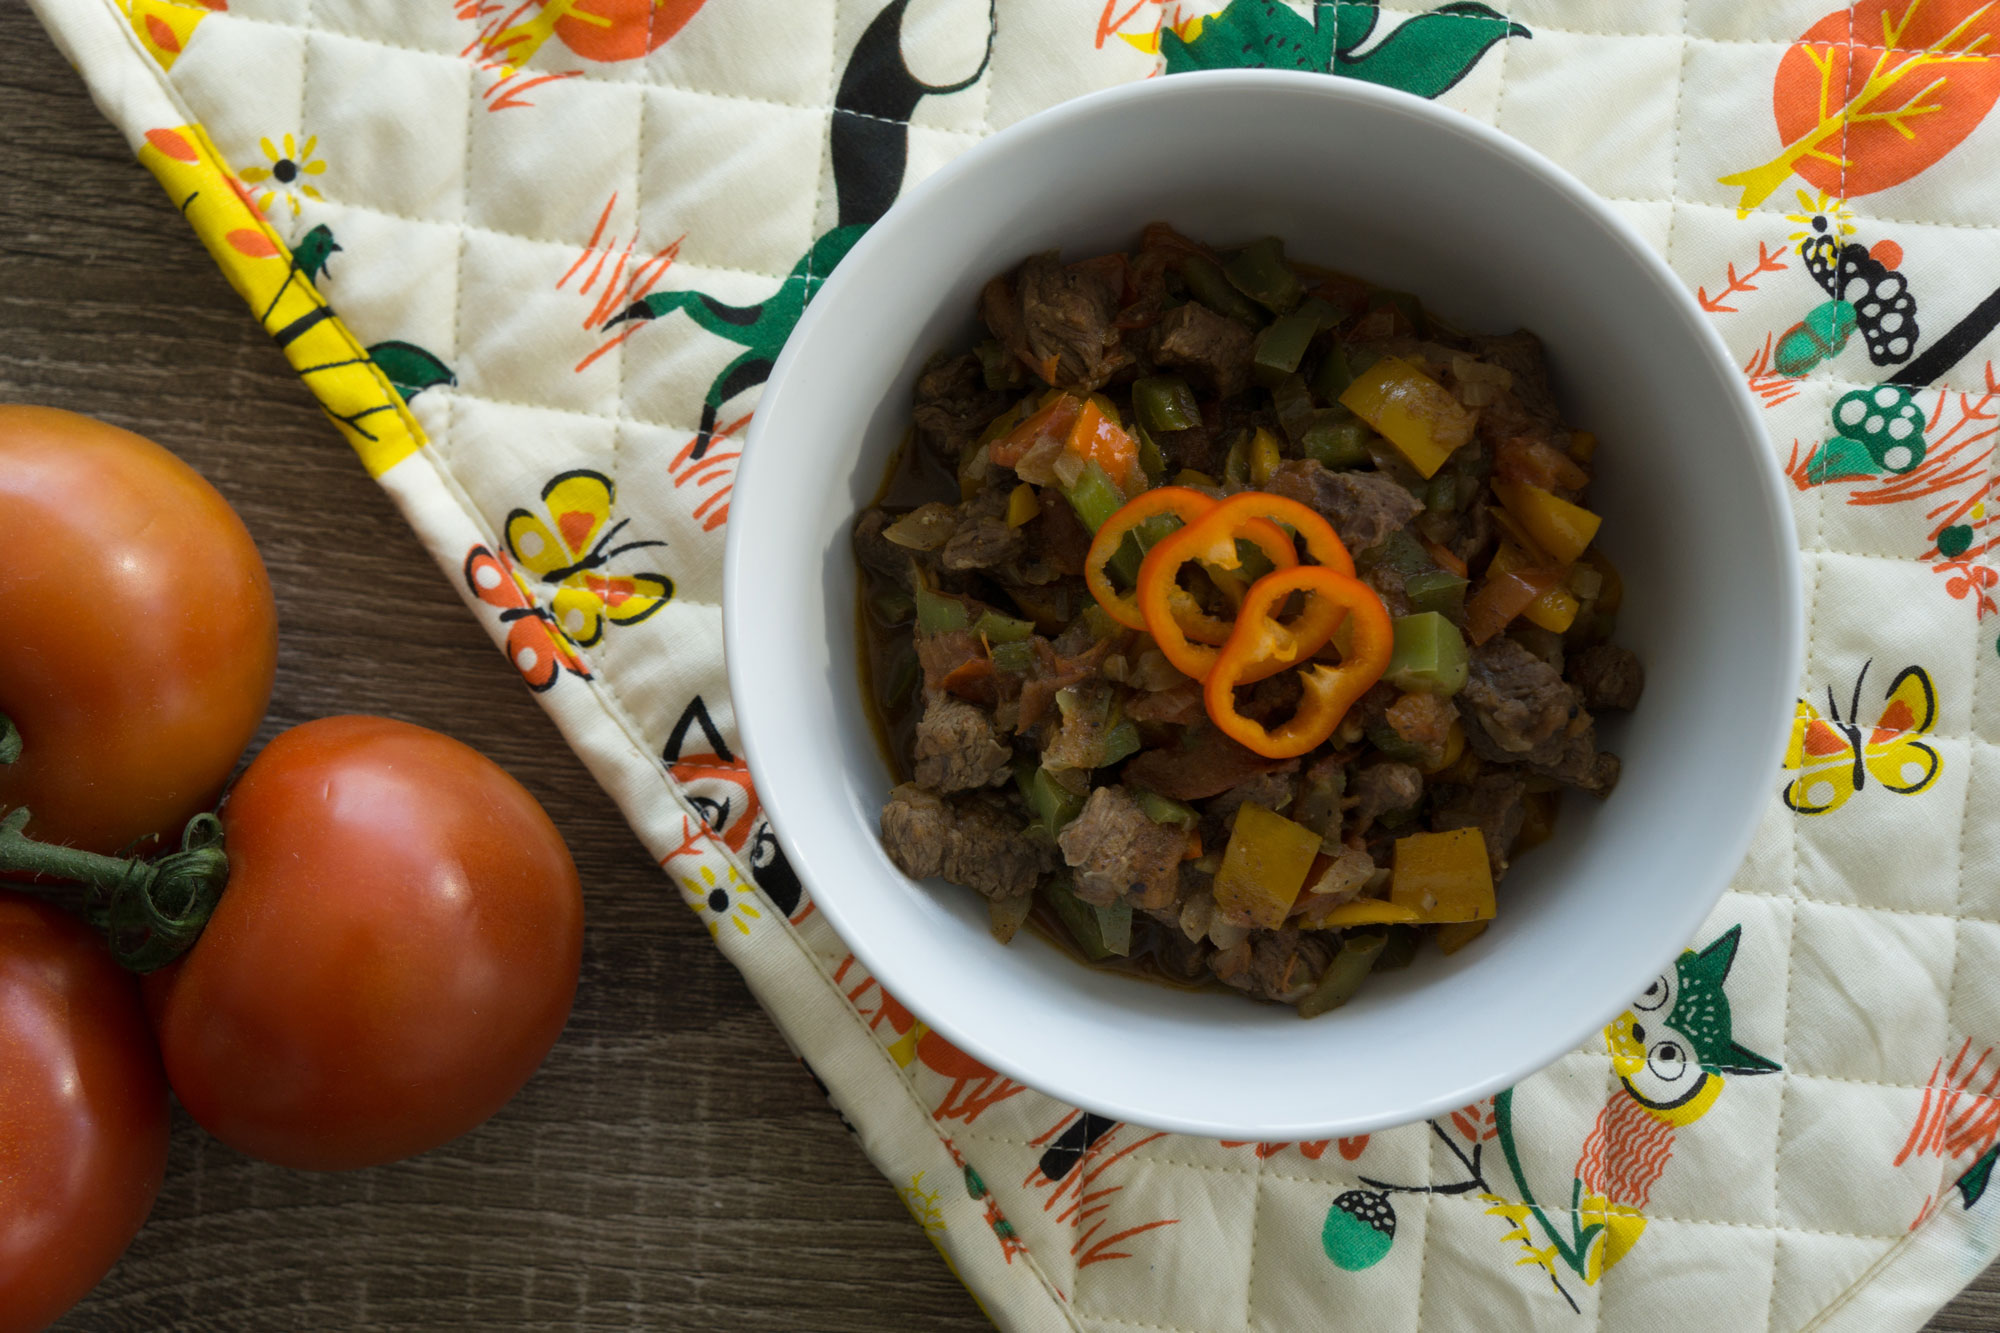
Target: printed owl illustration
(1673, 1050)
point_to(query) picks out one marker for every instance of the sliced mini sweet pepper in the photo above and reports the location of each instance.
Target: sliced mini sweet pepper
(1180, 502)
(1261, 646)
(1362, 912)
(1554, 610)
(1263, 868)
(1173, 617)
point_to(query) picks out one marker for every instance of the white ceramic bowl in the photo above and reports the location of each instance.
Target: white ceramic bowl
(1494, 237)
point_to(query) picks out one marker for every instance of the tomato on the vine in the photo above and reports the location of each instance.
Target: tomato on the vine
(395, 952)
(141, 638)
(83, 1113)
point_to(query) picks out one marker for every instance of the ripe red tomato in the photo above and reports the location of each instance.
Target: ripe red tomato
(396, 951)
(83, 1113)
(141, 638)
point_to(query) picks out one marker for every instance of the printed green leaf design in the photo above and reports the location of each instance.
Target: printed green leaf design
(1432, 52)
(410, 368)
(1425, 55)
(313, 251)
(1977, 1176)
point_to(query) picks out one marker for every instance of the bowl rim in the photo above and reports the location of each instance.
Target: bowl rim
(1788, 638)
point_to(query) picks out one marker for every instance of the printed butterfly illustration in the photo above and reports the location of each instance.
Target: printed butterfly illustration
(1834, 757)
(533, 646)
(567, 547)
(1866, 293)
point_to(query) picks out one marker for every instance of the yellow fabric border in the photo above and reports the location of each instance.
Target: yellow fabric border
(354, 392)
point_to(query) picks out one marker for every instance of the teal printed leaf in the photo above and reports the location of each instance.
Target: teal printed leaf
(1430, 53)
(1977, 1176)
(410, 368)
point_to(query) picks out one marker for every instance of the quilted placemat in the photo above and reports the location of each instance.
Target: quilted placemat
(566, 239)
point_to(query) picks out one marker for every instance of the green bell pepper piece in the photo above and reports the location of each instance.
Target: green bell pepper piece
(1259, 271)
(938, 614)
(1165, 402)
(1002, 629)
(1344, 975)
(1429, 655)
(1207, 283)
(1336, 438)
(1281, 345)
(1100, 932)
(1094, 497)
(1016, 659)
(1165, 810)
(1437, 590)
(1052, 803)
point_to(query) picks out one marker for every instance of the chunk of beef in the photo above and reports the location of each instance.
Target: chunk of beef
(1280, 965)
(981, 538)
(1120, 855)
(1047, 311)
(1525, 714)
(972, 841)
(1206, 763)
(1055, 672)
(953, 405)
(1608, 676)
(1492, 803)
(956, 747)
(1517, 700)
(1363, 507)
(1520, 353)
(1183, 449)
(876, 553)
(1214, 348)
(1388, 583)
(1177, 705)
(955, 661)
(1423, 720)
(1320, 789)
(1273, 699)
(1380, 788)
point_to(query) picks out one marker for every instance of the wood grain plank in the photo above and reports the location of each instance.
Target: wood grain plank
(671, 1166)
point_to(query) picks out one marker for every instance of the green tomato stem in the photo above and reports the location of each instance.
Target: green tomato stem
(10, 740)
(152, 912)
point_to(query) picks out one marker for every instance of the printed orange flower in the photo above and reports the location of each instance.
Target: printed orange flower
(286, 177)
(1872, 95)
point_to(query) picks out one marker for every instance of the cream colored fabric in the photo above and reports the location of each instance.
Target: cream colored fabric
(503, 180)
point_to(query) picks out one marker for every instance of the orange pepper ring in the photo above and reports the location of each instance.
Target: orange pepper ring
(1190, 506)
(1183, 501)
(1329, 690)
(1164, 604)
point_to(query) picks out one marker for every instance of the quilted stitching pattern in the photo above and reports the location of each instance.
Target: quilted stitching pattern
(501, 195)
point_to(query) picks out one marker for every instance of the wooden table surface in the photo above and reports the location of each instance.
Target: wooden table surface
(671, 1166)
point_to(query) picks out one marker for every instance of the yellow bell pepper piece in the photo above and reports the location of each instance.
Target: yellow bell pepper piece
(1362, 912)
(1263, 868)
(1264, 456)
(1412, 410)
(1022, 506)
(1556, 609)
(1456, 935)
(1552, 523)
(1443, 876)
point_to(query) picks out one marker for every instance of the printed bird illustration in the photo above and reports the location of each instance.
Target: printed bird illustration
(1673, 1050)
(868, 146)
(1425, 55)
(760, 329)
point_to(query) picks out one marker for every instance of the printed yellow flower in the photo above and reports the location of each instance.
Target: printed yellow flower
(716, 899)
(285, 178)
(1812, 210)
